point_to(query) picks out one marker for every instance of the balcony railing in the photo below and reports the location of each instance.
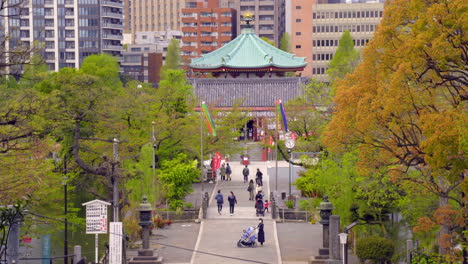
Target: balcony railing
(113, 15)
(111, 3)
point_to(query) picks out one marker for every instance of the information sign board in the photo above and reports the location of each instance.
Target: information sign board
(115, 243)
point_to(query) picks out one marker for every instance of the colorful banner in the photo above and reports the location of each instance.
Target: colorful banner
(209, 120)
(282, 115)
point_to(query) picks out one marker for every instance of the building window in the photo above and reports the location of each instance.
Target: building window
(298, 46)
(298, 20)
(298, 33)
(298, 7)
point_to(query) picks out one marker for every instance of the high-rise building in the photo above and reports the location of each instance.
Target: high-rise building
(269, 17)
(317, 26)
(69, 30)
(206, 27)
(152, 15)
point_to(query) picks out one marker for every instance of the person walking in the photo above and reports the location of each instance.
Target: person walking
(232, 201)
(259, 178)
(246, 172)
(261, 232)
(251, 190)
(222, 172)
(219, 200)
(228, 172)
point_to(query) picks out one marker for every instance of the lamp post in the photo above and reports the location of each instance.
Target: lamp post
(153, 142)
(115, 181)
(343, 242)
(65, 198)
(65, 203)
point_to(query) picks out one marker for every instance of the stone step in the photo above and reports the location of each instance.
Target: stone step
(145, 260)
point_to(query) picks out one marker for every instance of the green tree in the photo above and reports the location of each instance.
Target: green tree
(285, 42)
(308, 115)
(173, 59)
(403, 106)
(345, 59)
(177, 176)
(269, 41)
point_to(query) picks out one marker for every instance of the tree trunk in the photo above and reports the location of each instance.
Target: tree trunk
(444, 230)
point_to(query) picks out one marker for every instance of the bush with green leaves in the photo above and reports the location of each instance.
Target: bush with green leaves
(289, 204)
(378, 249)
(177, 176)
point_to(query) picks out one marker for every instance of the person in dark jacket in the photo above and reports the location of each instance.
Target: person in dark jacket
(228, 172)
(261, 232)
(232, 201)
(251, 190)
(245, 172)
(219, 200)
(259, 178)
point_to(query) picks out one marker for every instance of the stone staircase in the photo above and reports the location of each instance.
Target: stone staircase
(252, 149)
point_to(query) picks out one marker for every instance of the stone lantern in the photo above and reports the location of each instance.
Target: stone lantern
(145, 255)
(325, 212)
(145, 221)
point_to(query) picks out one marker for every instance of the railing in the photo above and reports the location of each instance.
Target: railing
(184, 215)
(286, 214)
(112, 25)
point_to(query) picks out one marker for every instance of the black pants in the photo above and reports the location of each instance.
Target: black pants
(231, 208)
(246, 178)
(220, 207)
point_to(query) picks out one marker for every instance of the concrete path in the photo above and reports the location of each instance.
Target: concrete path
(217, 240)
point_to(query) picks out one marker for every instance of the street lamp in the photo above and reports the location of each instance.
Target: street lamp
(343, 242)
(65, 201)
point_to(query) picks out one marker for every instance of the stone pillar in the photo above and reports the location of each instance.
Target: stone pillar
(77, 253)
(273, 206)
(334, 245)
(205, 205)
(409, 248)
(13, 241)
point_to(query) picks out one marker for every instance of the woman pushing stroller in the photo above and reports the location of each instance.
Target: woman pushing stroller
(249, 236)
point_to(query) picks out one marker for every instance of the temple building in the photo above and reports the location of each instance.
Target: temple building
(251, 71)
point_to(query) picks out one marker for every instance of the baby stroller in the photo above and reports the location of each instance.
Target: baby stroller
(248, 239)
(260, 207)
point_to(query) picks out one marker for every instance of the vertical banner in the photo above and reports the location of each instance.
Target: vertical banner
(115, 243)
(282, 115)
(45, 239)
(209, 119)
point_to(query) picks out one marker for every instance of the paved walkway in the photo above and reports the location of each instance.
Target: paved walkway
(219, 233)
(215, 238)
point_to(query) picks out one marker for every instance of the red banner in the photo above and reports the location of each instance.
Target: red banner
(216, 161)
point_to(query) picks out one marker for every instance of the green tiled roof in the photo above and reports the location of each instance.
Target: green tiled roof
(248, 51)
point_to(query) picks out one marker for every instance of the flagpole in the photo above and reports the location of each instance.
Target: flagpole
(276, 152)
(201, 148)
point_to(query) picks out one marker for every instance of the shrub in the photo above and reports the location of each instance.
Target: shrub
(289, 204)
(375, 248)
(306, 205)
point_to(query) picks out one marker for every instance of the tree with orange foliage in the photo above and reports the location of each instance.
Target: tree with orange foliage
(405, 106)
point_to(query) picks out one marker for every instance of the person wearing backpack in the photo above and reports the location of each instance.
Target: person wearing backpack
(245, 172)
(228, 172)
(219, 200)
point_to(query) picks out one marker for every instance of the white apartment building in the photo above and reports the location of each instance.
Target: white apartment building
(69, 30)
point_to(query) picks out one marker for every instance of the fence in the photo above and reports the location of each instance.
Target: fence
(184, 215)
(286, 214)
